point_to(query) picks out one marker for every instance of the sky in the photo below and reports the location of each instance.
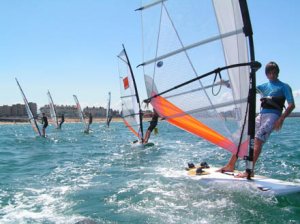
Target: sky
(71, 46)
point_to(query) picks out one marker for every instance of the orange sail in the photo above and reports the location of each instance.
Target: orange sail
(177, 117)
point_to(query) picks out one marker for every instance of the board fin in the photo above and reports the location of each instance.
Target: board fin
(203, 165)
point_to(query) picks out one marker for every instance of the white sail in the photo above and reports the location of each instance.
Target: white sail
(197, 68)
(31, 118)
(80, 113)
(53, 113)
(131, 110)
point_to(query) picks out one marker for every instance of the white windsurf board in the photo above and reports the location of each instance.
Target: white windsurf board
(263, 184)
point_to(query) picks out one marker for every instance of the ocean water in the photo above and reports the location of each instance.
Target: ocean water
(101, 177)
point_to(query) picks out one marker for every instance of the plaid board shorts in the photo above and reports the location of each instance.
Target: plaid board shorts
(264, 124)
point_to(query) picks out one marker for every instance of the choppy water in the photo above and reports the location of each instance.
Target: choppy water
(71, 176)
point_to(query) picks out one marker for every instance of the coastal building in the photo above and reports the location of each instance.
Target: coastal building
(5, 111)
(71, 111)
(18, 110)
(33, 108)
(68, 111)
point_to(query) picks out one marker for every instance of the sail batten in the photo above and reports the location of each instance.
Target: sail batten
(130, 115)
(128, 96)
(201, 86)
(192, 46)
(150, 5)
(191, 112)
(216, 71)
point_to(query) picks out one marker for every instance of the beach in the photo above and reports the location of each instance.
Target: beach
(67, 120)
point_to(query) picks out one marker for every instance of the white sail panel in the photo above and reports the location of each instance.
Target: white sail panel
(53, 113)
(131, 113)
(184, 42)
(31, 118)
(80, 113)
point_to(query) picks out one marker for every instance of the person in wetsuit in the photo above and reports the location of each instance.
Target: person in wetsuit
(62, 120)
(109, 120)
(270, 118)
(89, 124)
(45, 124)
(90, 119)
(153, 124)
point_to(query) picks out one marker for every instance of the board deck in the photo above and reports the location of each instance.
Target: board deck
(262, 183)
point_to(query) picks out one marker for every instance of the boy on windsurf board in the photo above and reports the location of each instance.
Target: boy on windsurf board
(274, 94)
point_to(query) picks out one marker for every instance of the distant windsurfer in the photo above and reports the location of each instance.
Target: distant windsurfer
(89, 124)
(270, 118)
(153, 124)
(109, 120)
(62, 120)
(90, 119)
(45, 124)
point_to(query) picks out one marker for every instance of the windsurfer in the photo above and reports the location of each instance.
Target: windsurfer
(270, 117)
(153, 124)
(109, 120)
(89, 124)
(62, 120)
(45, 124)
(90, 118)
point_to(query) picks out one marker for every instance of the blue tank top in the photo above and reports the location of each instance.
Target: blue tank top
(278, 89)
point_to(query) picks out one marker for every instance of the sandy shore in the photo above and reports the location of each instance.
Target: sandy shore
(69, 120)
(95, 120)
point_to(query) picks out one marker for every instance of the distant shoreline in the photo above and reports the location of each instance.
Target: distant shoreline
(67, 120)
(4, 121)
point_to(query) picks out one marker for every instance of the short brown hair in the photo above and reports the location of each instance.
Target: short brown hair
(272, 66)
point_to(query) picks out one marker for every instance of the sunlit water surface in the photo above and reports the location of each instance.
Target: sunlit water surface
(101, 177)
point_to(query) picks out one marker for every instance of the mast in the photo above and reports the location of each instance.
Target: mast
(32, 120)
(252, 88)
(136, 92)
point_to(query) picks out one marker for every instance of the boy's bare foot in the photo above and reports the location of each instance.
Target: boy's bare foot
(243, 175)
(226, 169)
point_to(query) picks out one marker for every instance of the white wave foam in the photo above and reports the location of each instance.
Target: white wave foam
(38, 206)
